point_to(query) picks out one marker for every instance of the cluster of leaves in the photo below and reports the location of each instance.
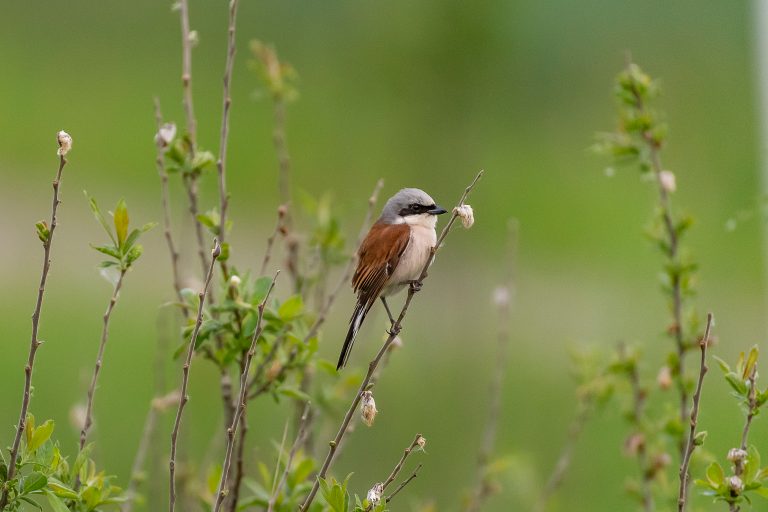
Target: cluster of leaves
(747, 476)
(640, 129)
(337, 498)
(44, 473)
(292, 494)
(182, 158)
(278, 77)
(124, 249)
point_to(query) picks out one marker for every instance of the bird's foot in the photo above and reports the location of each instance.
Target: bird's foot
(415, 285)
(394, 330)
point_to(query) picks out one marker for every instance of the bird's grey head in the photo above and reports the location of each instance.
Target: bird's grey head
(408, 205)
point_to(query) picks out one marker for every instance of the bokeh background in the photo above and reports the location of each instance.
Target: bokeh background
(421, 94)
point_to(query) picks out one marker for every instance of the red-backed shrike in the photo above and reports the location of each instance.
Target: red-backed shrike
(392, 255)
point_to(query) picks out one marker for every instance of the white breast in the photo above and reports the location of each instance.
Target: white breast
(415, 256)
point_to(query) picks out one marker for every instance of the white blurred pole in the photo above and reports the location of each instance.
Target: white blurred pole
(760, 11)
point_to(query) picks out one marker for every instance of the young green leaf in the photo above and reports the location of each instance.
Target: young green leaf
(121, 220)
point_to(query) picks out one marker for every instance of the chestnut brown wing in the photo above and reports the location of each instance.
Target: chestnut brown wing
(379, 255)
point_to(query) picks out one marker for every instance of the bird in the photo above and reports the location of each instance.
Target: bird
(392, 255)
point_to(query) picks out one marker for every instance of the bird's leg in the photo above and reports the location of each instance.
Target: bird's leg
(389, 313)
(415, 285)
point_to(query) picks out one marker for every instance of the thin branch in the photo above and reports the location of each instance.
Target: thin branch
(186, 74)
(295, 448)
(242, 399)
(654, 148)
(221, 163)
(215, 253)
(391, 478)
(395, 330)
(691, 445)
(190, 185)
(279, 228)
(404, 483)
(158, 406)
(164, 197)
(283, 156)
(97, 367)
(638, 398)
(753, 407)
(34, 342)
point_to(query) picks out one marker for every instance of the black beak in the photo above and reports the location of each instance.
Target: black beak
(437, 210)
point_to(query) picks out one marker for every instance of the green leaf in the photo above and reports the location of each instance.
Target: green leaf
(723, 365)
(121, 220)
(736, 383)
(260, 289)
(56, 503)
(43, 233)
(752, 466)
(202, 160)
(109, 250)
(99, 217)
(40, 435)
(31, 502)
(715, 475)
(59, 489)
(291, 308)
(33, 482)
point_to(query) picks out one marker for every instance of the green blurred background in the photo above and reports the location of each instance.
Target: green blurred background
(421, 94)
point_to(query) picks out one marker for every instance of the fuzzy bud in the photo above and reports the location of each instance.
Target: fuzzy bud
(193, 37)
(374, 495)
(65, 143)
(274, 370)
(421, 442)
(77, 415)
(162, 403)
(737, 455)
(397, 342)
(165, 135)
(667, 181)
(368, 408)
(735, 484)
(466, 214)
(664, 378)
(234, 281)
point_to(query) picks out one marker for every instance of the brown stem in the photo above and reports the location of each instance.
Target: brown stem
(279, 228)
(395, 330)
(690, 445)
(752, 401)
(186, 74)
(404, 483)
(190, 185)
(185, 373)
(241, 401)
(97, 367)
(221, 163)
(398, 467)
(34, 342)
(164, 197)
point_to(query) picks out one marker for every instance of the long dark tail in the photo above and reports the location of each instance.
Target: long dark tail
(354, 326)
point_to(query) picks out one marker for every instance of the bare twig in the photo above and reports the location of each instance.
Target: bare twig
(753, 407)
(691, 445)
(215, 253)
(35, 342)
(638, 399)
(279, 228)
(97, 367)
(242, 400)
(221, 163)
(186, 74)
(404, 483)
(164, 197)
(158, 406)
(296, 444)
(417, 441)
(395, 330)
